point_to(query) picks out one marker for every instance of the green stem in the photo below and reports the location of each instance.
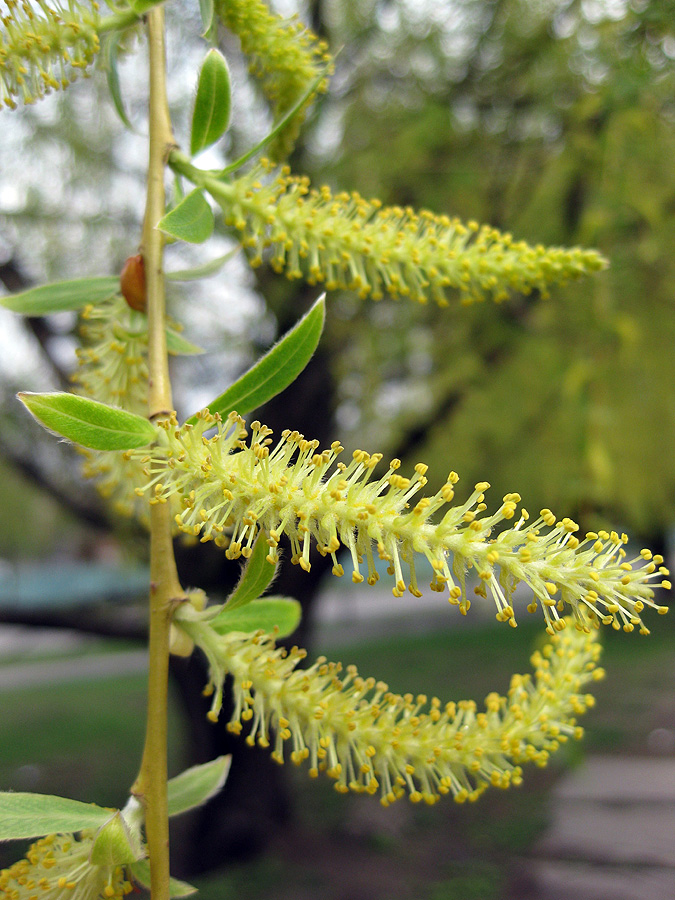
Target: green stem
(165, 590)
(119, 21)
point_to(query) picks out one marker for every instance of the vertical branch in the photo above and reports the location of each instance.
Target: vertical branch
(165, 589)
(152, 245)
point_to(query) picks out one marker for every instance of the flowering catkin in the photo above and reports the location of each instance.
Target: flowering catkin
(113, 368)
(58, 867)
(369, 739)
(345, 241)
(230, 489)
(286, 58)
(43, 45)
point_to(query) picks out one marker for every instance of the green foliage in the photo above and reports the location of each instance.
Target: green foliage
(273, 615)
(211, 111)
(113, 844)
(256, 577)
(89, 422)
(140, 871)
(191, 220)
(31, 815)
(63, 295)
(195, 786)
(276, 370)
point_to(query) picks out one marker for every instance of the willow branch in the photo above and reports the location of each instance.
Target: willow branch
(165, 589)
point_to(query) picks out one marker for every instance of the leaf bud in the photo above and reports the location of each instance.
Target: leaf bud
(132, 283)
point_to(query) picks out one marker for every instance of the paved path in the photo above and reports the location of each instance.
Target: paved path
(16, 676)
(612, 833)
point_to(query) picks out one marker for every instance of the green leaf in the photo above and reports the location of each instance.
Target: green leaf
(62, 295)
(141, 874)
(196, 785)
(211, 113)
(276, 370)
(88, 422)
(274, 615)
(207, 11)
(212, 267)
(177, 345)
(191, 221)
(113, 78)
(113, 844)
(256, 578)
(31, 815)
(276, 128)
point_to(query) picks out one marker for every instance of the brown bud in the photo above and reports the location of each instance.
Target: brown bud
(132, 283)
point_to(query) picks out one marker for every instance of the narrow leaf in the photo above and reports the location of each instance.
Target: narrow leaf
(192, 220)
(256, 578)
(141, 874)
(196, 785)
(113, 78)
(88, 422)
(211, 113)
(276, 370)
(207, 11)
(61, 295)
(31, 815)
(212, 267)
(177, 345)
(274, 615)
(276, 128)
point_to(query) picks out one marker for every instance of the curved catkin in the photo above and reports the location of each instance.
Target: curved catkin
(371, 740)
(345, 241)
(43, 47)
(230, 489)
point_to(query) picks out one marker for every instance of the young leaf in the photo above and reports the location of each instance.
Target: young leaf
(191, 221)
(177, 345)
(31, 815)
(212, 267)
(211, 113)
(274, 615)
(256, 578)
(89, 422)
(196, 785)
(141, 874)
(276, 370)
(207, 11)
(113, 844)
(61, 295)
(112, 74)
(277, 128)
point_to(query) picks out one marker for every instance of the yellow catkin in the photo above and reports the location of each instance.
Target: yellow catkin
(369, 739)
(345, 241)
(43, 47)
(229, 492)
(286, 58)
(57, 867)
